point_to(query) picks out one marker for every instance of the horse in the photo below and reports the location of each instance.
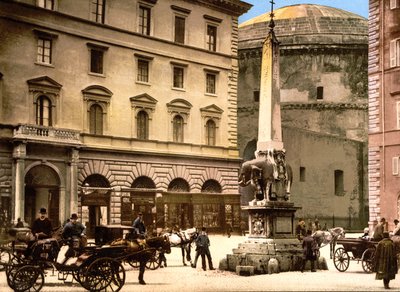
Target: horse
(145, 249)
(330, 236)
(183, 239)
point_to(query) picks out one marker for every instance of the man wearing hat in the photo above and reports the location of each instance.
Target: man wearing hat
(42, 227)
(385, 260)
(74, 228)
(396, 230)
(139, 226)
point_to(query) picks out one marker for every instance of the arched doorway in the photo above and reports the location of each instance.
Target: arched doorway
(143, 200)
(95, 202)
(42, 189)
(178, 209)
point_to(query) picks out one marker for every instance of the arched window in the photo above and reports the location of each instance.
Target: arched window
(211, 186)
(210, 132)
(43, 111)
(178, 185)
(96, 119)
(178, 128)
(143, 125)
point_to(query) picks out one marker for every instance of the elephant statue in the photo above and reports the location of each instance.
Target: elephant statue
(269, 175)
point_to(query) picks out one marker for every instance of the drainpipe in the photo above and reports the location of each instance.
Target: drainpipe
(382, 88)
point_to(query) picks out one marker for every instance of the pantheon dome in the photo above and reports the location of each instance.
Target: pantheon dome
(323, 71)
(306, 24)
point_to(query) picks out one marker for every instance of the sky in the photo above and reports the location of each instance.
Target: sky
(359, 7)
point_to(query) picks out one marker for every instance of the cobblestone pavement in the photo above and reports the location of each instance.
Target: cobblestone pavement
(177, 277)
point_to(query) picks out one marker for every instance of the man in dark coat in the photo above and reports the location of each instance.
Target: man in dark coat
(310, 248)
(378, 230)
(385, 260)
(42, 227)
(202, 249)
(301, 229)
(139, 226)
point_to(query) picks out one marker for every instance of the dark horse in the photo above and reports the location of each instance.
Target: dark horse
(146, 246)
(183, 239)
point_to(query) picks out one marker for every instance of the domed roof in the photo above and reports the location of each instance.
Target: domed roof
(306, 24)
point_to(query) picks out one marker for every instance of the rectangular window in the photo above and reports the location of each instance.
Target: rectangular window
(339, 188)
(394, 4)
(256, 95)
(395, 165)
(398, 114)
(48, 4)
(320, 92)
(394, 53)
(44, 50)
(98, 10)
(302, 174)
(179, 30)
(96, 61)
(144, 20)
(211, 83)
(143, 71)
(211, 38)
(178, 77)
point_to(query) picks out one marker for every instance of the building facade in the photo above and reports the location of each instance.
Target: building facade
(384, 110)
(108, 108)
(323, 91)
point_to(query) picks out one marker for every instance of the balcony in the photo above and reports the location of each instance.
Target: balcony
(41, 134)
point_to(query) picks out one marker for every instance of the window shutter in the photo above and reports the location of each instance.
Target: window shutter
(393, 53)
(395, 165)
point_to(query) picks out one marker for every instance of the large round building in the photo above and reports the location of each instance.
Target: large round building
(323, 82)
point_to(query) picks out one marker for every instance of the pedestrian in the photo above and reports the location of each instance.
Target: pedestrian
(310, 248)
(378, 230)
(316, 225)
(19, 224)
(228, 229)
(139, 226)
(202, 249)
(301, 229)
(243, 228)
(385, 260)
(396, 230)
(42, 227)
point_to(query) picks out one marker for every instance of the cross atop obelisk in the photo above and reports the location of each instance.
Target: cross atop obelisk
(269, 120)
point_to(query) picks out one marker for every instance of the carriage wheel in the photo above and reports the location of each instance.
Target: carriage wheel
(28, 278)
(154, 262)
(5, 259)
(367, 259)
(133, 262)
(11, 269)
(79, 274)
(104, 274)
(341, 260)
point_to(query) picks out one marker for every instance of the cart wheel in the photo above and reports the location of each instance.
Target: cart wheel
(367, 259)
(79, 274)
(11, 269)
(5, 259)
(104, 274)
(341, 260)
(28, 278)
(133, 263)
(154, 262)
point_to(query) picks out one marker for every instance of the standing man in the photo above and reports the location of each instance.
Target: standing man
(301, 229)
(139, 226)
(396, 230)
(42, 227)
(385, 260)
(378, 230)
(310, 248)
(202, 248)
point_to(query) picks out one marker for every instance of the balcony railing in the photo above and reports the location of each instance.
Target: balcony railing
(47, 134)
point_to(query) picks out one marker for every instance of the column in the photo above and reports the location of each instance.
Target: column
(73, 181)
(19, 155)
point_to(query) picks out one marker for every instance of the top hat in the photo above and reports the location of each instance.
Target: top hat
(43, 211)
(74, 216)
(140, 213)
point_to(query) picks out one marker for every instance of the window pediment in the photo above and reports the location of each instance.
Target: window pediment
(44, 84)
(211, 111)
(179, 106)
(97, 93)
(143, 101)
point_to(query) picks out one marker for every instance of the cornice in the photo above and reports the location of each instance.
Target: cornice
(233, 7)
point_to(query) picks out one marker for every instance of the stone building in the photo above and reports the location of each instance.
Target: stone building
(108, 108)
(323, 74)
(384, 110)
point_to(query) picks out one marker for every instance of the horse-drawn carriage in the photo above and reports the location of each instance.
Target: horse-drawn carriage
(354, 249)
(96, 268)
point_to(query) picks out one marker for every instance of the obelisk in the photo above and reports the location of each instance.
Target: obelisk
(269, 120)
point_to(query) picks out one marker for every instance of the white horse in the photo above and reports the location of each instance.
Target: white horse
(183, 239)
(330, 236)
